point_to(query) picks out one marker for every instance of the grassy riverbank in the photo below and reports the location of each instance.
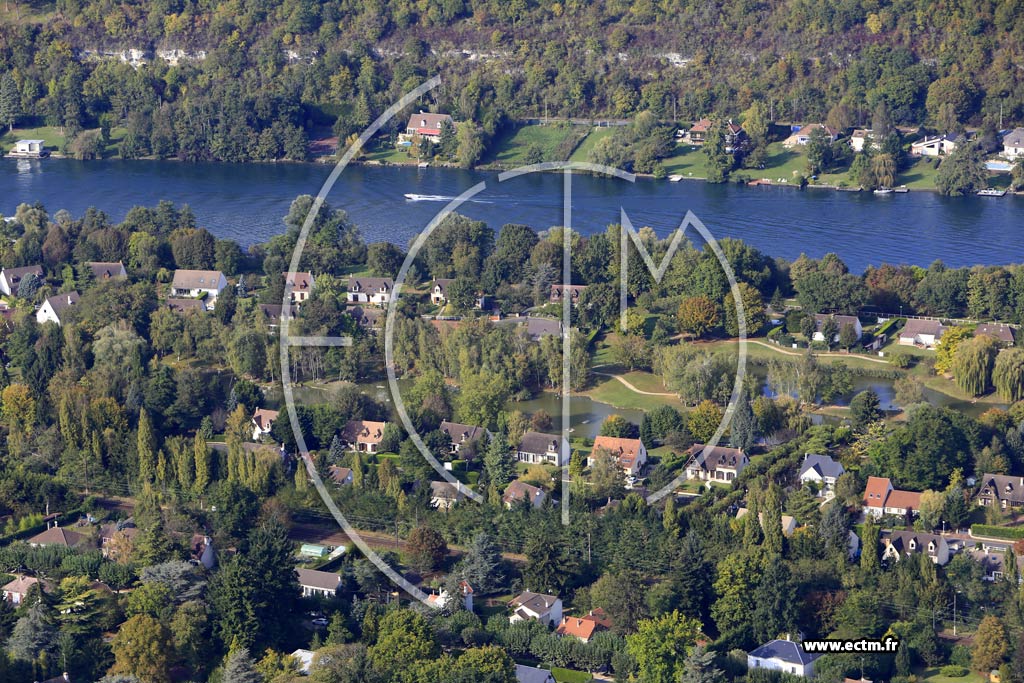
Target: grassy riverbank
(562, 142)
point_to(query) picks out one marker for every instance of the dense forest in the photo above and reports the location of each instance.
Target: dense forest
(256, 80)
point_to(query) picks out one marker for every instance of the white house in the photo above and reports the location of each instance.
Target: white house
(1013, 144)
(439, 292)
(880, 498)
(899, 544)
(783, 655)
(427, 125)
(299, 286)
(363, 436)
(262, 422)
(546, 609)
(199, 283)
(938, 146)
(440, 599)
(29, 149)
(715, 464)
(370, 290)
(861, 138)
(56, 307)
(923, 333)
(803, 135)
(315, 583)
(841, 322)
(549, 449)
(10, 278)
(631, 454)
(821, 470)
(16, 590)
(463, 435)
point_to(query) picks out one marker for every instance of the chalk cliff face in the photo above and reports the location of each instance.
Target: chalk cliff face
(137, 57)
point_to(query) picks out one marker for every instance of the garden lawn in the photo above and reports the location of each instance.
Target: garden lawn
(920, 176)
(687, 161)
(613, 392)
(934, 676)
(387, 154)
(511, 149)
(646, 381)
(782, 164)
(570, 676)
(582, 151)
(51, 136)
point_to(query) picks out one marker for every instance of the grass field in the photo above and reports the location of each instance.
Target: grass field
(512, 149)
(645, 381)
(583, 149)
(920, 176)
(51, 137)
(613, 392)
(687, 161)
(390, 155)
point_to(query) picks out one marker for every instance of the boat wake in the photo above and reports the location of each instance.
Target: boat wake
(428, 198)
(438, 198)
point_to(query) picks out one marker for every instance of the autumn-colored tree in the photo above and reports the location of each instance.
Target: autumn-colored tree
(426, 549)
(990, 645)
(704, 421)
(697, 315)
(140, 649)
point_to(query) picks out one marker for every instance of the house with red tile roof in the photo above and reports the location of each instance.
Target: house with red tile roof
(880, 498)
(631, 454)
(583, 628)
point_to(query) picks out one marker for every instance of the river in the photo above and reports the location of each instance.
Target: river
(246, 202)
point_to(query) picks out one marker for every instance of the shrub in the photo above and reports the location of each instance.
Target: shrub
(901, 360)
(960, 656)
(953, 671)
(1009, 533)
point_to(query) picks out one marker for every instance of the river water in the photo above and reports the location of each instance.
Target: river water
(246, 202)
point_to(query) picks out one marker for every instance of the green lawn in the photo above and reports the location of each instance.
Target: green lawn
(387, 154)
(687, 161)
(645, 381)
(582, 151)
(920, 176)
(512, 148)
(613, 392)
(773, 352)
(51, 137)
(782, 164)
(570, 676)
(934, 676)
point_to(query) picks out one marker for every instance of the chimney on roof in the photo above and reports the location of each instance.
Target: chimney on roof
(69, 299)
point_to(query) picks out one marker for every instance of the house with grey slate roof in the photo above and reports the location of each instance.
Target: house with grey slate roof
(783, 655)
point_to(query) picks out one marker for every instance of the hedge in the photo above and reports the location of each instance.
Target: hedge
(1009, 533)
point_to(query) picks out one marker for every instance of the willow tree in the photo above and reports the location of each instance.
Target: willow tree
(1008, 374)
(972, 365)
